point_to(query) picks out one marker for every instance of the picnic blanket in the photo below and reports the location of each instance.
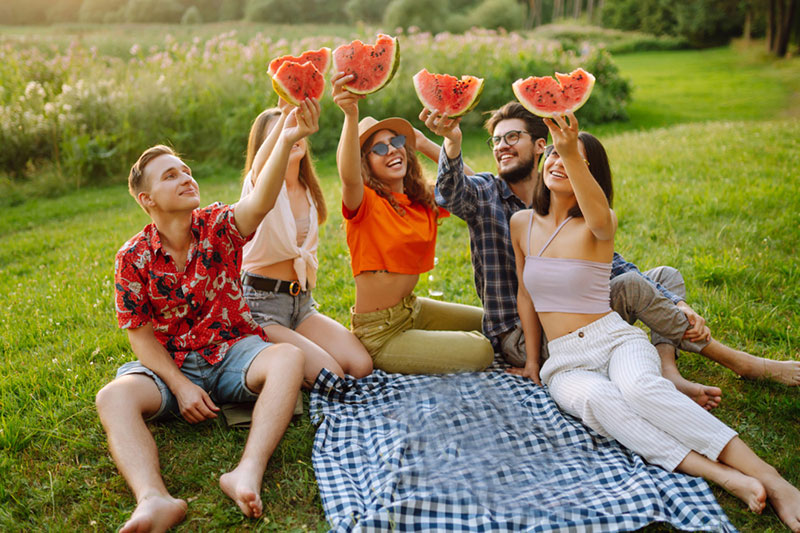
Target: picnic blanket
(483, 452)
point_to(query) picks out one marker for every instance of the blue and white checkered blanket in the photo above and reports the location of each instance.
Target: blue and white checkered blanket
(483, 452)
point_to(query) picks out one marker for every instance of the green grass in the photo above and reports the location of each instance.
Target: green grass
(706, 186)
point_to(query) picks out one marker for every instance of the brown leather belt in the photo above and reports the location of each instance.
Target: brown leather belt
(272, 285)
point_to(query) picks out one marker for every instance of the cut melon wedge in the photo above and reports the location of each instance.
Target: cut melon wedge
(319, 58)
(546, 97)
(447, 94)
(372, 66)
(294, 82)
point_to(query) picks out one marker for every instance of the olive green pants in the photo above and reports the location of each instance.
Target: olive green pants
(424, 336)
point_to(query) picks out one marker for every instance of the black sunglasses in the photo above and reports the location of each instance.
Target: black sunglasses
(398, 141)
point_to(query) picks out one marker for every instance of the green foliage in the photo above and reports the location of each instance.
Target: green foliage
(205, 93)
(231, 9)
(365, 10)
(153, 11)
(192, 16)
(576, 36)
(417, 15)
(97, 10)
(495, 14)
(281, 11)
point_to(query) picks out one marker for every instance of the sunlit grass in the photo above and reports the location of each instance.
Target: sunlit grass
(713, 191)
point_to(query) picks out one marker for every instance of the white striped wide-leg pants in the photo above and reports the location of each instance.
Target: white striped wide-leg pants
(609, 375)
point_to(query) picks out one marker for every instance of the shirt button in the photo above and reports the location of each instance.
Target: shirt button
(580, 334)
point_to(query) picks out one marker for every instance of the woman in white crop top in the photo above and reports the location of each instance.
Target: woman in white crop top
(601, 369)
(279, 265)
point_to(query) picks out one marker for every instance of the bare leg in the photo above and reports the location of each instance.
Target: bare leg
(339, 342)
(746, 488)
(784, 497)
(123, 405)
(753, 367)
(277, 373)
(316, 358)
(707, 397)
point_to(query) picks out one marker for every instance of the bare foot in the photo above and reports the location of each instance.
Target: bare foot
(785, 498)
(746, 488)
(155, 514)
(786, 372)
(705, 396)
(240, 486)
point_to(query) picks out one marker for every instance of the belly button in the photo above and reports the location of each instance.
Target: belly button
(580, 334)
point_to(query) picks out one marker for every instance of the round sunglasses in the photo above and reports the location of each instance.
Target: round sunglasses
(398, 141)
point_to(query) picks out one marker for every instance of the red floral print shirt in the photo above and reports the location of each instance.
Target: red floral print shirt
(200, 309)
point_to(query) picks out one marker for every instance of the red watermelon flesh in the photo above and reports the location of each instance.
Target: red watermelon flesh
(319, 58)
(447, 94)
(295, 82)
(373, 66)
(545, 97)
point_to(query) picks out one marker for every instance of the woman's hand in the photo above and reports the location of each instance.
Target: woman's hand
(530, 371)
(564, 134)
(347, 101)
(441, 125)
(302, 121)
(284, 106)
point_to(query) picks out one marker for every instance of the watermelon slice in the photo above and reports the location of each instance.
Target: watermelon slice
(545, 97)
(295, 82)
(372, 65)
(319, 58)
(447, 94)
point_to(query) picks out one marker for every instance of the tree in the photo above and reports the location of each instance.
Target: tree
(781, 17)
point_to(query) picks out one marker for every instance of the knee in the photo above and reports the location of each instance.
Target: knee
(117, 396)
(361, 367)
(285, 360)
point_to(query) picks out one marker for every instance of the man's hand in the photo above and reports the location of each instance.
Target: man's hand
(697, 330)
(194, 403)
(441, 125)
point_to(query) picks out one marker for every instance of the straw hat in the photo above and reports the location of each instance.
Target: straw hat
(369, 125)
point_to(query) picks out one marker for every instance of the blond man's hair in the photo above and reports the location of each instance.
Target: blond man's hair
(136, 181)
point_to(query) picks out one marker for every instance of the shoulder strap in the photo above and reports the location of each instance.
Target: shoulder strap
(530, 225)
(553, 236)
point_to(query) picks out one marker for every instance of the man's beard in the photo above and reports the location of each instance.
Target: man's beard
(521, 172)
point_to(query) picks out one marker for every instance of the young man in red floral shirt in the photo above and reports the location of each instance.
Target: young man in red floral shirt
(179, 297)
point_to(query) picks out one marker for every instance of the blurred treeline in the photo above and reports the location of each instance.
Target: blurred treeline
(699, 22)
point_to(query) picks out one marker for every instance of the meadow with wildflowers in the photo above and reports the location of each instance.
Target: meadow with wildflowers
(84, 114)
(705, 180)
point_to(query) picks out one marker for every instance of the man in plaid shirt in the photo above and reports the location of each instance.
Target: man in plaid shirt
(486, 202)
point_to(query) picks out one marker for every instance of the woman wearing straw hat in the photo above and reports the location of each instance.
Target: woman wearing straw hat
(391, 223)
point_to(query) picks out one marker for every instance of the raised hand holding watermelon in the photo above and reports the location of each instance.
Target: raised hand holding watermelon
(346, 100)
(302, 121)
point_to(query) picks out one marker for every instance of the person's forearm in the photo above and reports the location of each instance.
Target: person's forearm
(266, 147)
(349, 163)
(154, 356)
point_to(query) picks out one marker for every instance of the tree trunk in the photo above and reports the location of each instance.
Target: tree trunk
(576, 9)
(785, 24)
(771, 7)
(558, 9)
(534, 14)
(590, 11)
(748, 18)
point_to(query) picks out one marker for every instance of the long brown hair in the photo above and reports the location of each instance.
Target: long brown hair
(415, 186)
(308, 174)
(598, 167)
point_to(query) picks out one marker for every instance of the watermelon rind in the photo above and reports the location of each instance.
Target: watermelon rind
(474, 102)
(274, 65)
(282, 91)
(517, 88)
(395, 64)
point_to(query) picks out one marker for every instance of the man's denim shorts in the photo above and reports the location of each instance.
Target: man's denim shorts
(224, 382)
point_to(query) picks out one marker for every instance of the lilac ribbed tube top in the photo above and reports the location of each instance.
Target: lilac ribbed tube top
(566, 285)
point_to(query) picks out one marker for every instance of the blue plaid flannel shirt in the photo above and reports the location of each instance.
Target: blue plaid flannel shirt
(486, 203)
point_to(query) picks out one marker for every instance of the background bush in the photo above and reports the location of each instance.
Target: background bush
(87, 116)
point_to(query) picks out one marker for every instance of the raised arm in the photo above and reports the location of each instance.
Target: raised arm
(250, 210)
(194, 403)
(430, 149)
(269, 141)
(348, 154)
(593, 202)
(529, 319)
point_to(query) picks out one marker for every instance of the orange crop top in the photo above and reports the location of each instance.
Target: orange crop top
(380, 238)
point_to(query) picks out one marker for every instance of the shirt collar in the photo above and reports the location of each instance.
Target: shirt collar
(507, 193)
(151, 232)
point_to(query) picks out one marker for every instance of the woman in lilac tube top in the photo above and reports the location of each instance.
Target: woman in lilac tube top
(601, 369)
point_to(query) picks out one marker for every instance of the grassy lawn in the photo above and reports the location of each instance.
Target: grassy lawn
(706, 181)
